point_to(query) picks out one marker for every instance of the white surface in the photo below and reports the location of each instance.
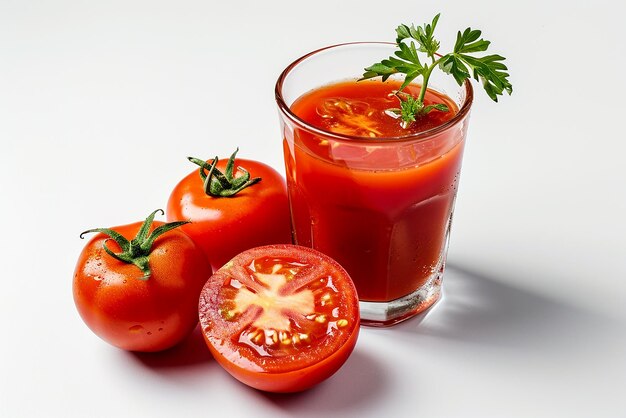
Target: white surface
(100, 103)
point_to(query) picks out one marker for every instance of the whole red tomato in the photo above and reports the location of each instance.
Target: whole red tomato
(233, 205)
(140, 294)
(280, 318)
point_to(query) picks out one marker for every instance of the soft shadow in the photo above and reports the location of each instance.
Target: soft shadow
(477, 308)
(190, 352)
(360, 381)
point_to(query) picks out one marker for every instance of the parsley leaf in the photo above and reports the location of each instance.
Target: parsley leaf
(490, 69)
(409, 107)
(422, 34)
(461, 64)
(406, 61)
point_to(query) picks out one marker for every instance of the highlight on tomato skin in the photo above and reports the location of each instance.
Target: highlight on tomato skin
(280, 318)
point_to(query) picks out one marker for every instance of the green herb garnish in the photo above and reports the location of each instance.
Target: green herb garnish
(488, 69)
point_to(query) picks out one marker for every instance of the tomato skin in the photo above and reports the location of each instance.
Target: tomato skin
(289, 373)
(288, 382)
(141, 315)
(225, 226)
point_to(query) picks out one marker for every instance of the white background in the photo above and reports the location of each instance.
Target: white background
(100, 103)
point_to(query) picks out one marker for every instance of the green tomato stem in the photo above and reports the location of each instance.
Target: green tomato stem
(218, 184)
(137, 250)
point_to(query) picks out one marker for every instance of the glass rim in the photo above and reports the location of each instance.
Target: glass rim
(286, 110)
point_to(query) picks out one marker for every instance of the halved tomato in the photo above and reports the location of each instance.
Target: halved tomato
(280, 318)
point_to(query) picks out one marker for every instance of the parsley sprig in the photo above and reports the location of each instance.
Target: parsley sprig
(460, 63)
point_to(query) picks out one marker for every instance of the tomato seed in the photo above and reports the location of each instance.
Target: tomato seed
(227, 314)
(342, 323)
(321, 319)
(271, 337)
(257, 337)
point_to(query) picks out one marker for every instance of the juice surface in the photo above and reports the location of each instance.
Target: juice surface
(381, 211)
(358, 108)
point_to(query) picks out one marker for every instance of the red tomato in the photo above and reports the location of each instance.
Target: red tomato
(280, 318)
(149, 310)
(225, 226)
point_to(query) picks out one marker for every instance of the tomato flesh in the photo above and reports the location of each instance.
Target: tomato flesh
(280, 318)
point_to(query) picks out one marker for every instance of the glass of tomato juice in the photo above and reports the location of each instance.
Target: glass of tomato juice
(374, 195)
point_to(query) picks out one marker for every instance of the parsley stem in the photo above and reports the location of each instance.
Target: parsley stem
(425, 78)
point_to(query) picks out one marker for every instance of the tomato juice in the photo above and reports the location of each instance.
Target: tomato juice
(385, 226)
(374, 195)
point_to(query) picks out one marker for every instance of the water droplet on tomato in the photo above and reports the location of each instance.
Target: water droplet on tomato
(135, 328)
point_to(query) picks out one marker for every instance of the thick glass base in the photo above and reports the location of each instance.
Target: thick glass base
(384, 314)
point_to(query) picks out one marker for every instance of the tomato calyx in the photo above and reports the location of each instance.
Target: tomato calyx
(137, 250)
(218, 184)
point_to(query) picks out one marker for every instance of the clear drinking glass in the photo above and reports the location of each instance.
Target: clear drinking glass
(381, 207)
